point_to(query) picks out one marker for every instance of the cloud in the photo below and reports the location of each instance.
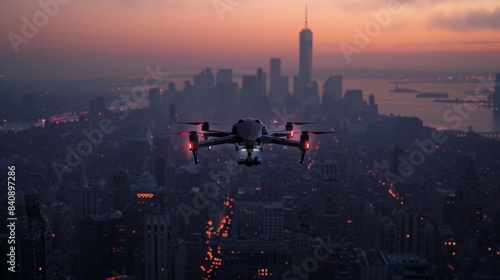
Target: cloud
(367, 6)
(359, 5)
(471, 43)
(473, 20)
(485, 42)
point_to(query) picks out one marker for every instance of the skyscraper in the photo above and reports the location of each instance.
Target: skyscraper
(89, 201)
(203, 83)
(119, 188)
(160, 172)
(305, 54)
(154, 99)
(284, 86)
(225, 94)
(275, 79)
(224, 76)
(302, 82)
(333, 87)
(36, 243)
(61, 221)
(253, 87)
(372, 264)
(158, 247)
(249, 90)
(372, 106)
(470, 201)
(261, 82)
(103, 245)
(60, 218)
(407, 224)
(273, 220)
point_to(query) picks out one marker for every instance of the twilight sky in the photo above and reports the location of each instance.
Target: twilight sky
(93, 37)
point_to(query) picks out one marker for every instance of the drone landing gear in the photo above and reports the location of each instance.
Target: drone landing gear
(195, 156)
(302, 154)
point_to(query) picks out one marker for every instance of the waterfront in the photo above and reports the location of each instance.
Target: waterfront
(403, 104)
(431, 113)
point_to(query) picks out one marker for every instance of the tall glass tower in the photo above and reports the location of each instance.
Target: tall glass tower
(305, 54)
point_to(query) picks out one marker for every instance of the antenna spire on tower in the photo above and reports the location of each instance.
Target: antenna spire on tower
(306, 16)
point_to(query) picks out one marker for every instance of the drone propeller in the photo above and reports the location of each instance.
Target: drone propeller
(201, 123)
(296, 123)
(211, 133)
(320, 132)
(192, 123)
(181, 133)
(289, 125)
(215, 133)
(301, 123)
(205, 126)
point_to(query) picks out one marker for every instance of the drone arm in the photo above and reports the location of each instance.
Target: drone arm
(302, 145)
(219, 141)
(214, 133)
(280, 134)
(281, 141)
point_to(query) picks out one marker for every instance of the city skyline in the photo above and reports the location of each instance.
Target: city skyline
(189, 35)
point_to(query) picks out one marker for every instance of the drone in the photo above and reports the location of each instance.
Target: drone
(248, 134)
